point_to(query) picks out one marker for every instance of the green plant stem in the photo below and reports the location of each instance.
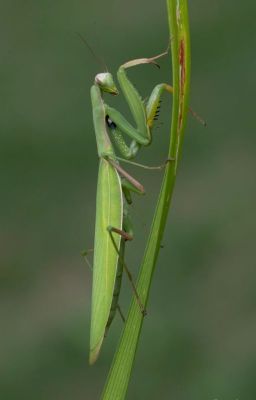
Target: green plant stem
(119, 375)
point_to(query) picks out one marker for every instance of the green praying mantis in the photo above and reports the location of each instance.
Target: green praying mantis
(113, 226)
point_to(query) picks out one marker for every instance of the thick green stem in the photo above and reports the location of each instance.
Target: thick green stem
(119, 375)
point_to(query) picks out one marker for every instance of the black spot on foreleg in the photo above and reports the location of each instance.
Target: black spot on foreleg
(110, 123)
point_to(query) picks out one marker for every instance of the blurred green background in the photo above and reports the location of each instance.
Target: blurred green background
(198, 340)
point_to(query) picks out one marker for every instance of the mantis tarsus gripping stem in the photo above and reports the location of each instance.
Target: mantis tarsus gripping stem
(129, 275)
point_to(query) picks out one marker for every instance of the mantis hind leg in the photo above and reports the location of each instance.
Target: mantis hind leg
(126, 234)
(117, 288)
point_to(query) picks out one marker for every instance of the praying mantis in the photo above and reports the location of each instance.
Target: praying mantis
(113, 226)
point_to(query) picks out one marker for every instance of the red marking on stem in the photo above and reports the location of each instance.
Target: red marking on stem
(182, 79)
(182, 66)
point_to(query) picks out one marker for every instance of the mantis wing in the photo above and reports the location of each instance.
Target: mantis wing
(109, 213)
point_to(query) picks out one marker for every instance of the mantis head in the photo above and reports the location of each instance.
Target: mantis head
(106, 83)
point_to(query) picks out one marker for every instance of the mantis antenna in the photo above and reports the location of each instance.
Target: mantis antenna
(96, 57)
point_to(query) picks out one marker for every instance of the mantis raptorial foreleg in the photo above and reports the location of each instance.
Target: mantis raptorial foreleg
(144, 115)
